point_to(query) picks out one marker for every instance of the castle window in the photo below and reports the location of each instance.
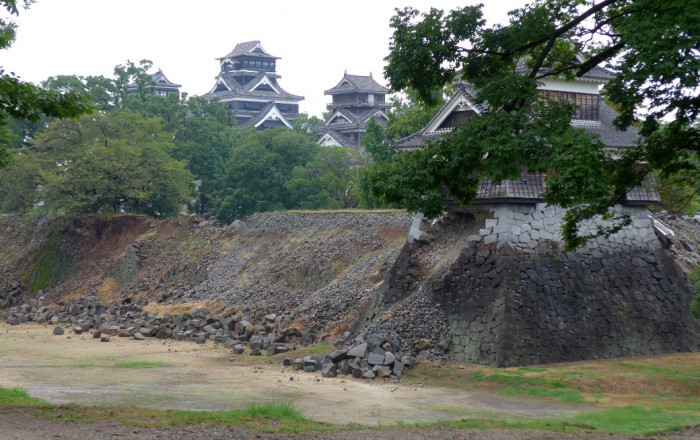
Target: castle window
(586, 103)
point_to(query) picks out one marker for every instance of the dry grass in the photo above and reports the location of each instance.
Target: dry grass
(108, 289)
(392, 233)
(638, 380)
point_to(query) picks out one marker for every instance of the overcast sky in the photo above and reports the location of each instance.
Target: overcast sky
(317, 40)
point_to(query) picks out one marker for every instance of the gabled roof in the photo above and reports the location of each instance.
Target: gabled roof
(158, 82)
(249, 48)
(529, 187)
(603, 127)
(160, 79)
(335, 138)
(236, 89)
(356, 119)
(270, 111)
(349, 117)
(357, 83)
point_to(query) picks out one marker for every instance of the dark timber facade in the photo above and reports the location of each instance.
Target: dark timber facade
(356, 99)
(247, 83)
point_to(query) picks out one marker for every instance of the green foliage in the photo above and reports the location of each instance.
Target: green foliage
(22, 100)
(650, 49)
(409, 114)
(259, 167)
(304, 123)
(113, 162)
(327, 181)
(267, 417)
(679, 193)
(694, 278)
(695, 307)
(374, 141)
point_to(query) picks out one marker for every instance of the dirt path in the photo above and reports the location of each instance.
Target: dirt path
(79, 369)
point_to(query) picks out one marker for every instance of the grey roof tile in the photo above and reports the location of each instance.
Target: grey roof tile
(644, 193)
(529, 186)
(597, 73)
(246, 48)
(604, 128)
(357, 83)
(238, 90)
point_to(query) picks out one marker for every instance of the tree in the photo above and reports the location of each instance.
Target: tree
(650, 46)
(22, 100)
(259, 167)
(115, 162)
(375, 142)
(409, 114)
(304, 123)
(328, 181)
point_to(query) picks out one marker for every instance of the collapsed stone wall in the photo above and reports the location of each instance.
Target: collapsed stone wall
(513, 297)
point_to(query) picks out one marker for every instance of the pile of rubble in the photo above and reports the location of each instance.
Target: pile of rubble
(275, 333)
(366, 357)
(367, 360)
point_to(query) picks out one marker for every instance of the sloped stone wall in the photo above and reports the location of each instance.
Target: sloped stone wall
(509, 308)
(513, 297)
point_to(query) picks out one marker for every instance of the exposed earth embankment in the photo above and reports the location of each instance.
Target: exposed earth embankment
(316, 270)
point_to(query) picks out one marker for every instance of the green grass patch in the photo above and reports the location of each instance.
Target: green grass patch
(18, 397)
(661, 372)
(566, 396)
(269, 417)
(628, 420)
(635, 420)
(141, 364)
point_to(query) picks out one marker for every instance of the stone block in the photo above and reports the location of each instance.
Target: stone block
(358, 351)
(490, 239)
(329, 370)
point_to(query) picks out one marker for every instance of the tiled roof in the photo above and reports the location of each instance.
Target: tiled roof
(529, 186)
(419, 139)
(238, 90)
(597, 73)
(160, 79)
(604, 128)
(261, 116)
(357, 83)
(644, 193)
(246, 48)
(343, 140)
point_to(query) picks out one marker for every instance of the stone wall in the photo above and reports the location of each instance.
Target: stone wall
(513, 297)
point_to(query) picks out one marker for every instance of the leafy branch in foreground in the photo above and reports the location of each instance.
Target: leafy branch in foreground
(22, 100)
(650, 47)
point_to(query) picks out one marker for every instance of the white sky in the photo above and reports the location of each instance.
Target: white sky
(317, 40)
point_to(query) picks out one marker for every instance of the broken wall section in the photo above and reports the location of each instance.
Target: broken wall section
(514, 298)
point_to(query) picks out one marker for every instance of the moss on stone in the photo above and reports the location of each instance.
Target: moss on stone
(48, 265)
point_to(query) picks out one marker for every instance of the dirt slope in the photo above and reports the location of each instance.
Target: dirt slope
(318, 269)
